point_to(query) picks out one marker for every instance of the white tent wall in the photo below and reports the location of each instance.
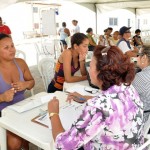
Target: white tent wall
(88, 15)
(123, 16)
(134, 10)
(85, 14)
(143, 16)
(19, 17)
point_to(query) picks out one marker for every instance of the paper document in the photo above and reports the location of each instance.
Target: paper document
(68, 115)
(32, 102)
(83, 90)
(44, 120)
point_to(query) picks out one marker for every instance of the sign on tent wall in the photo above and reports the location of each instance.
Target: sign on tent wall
(48, 22)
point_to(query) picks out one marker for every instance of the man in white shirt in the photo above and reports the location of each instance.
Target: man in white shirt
(76, 28)
(124, 43)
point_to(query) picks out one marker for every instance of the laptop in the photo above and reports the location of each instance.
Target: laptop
(87, 65)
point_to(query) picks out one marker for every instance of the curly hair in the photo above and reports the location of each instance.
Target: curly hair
(113, 66)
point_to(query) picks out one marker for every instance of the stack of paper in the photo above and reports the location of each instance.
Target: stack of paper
(32, 102)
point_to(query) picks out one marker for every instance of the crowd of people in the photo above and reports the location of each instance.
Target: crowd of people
(123, 91)
(112, 120)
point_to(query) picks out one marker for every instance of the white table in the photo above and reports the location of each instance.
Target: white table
(21, 124)
(68, 85)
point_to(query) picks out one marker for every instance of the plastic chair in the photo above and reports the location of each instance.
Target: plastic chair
(144, 145)
(146, 135)
(46, 69)
(20, 54)
(48, 48)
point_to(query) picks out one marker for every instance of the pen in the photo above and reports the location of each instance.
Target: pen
(42, 116)
(79, 98)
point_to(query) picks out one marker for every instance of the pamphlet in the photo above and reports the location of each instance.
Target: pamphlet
(32, 102)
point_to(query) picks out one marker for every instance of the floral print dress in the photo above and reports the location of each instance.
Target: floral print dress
(111, 121)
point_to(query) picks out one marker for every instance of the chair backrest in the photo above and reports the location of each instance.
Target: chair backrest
(68, 41)
(145, 146)
(146, 135)
(46, 69)
(59, 48)
(48, 48)
(20, 54)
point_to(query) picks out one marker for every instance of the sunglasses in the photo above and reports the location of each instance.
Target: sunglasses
(91, 91)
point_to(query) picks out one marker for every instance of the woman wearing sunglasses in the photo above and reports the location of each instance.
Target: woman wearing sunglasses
(142, 79)
(113, 119)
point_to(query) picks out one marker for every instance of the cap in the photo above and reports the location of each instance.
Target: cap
(123, 30)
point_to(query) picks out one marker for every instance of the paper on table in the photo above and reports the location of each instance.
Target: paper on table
(81, 90)
(32, 102)
(44, 120)
(68, 115)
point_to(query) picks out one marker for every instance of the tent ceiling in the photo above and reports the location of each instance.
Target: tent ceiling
(76, 1)
(128, 3)
(4, 3)
(101, 1)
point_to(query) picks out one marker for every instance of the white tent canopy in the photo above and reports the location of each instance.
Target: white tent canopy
(98, 7)
(140, 6)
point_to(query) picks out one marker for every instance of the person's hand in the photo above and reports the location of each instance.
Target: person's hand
(82, 56)
(53, 106)
(76, 97)
(8, 96)
(107, 37)
(84, 77)
(19, 86)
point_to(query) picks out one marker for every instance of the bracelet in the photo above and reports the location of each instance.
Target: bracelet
(52, 114)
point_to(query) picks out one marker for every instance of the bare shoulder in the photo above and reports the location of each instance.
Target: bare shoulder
(67, 52)
(21, 62)
(66, 55)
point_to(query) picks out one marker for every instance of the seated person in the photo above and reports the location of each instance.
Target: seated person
(15, 78)
(141, 81)
(92, 43)
(69, 62)
(115, 38)
(137, 38)
(124, 43)
(112, 120)
(105, 40)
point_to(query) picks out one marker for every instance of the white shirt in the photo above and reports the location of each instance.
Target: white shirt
(124, 47)
(75, 29)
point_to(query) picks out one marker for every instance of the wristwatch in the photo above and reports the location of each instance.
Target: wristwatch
(52, 114)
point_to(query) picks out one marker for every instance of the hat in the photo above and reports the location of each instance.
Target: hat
(123, 30)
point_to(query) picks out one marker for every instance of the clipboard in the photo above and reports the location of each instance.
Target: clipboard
(43, 121)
